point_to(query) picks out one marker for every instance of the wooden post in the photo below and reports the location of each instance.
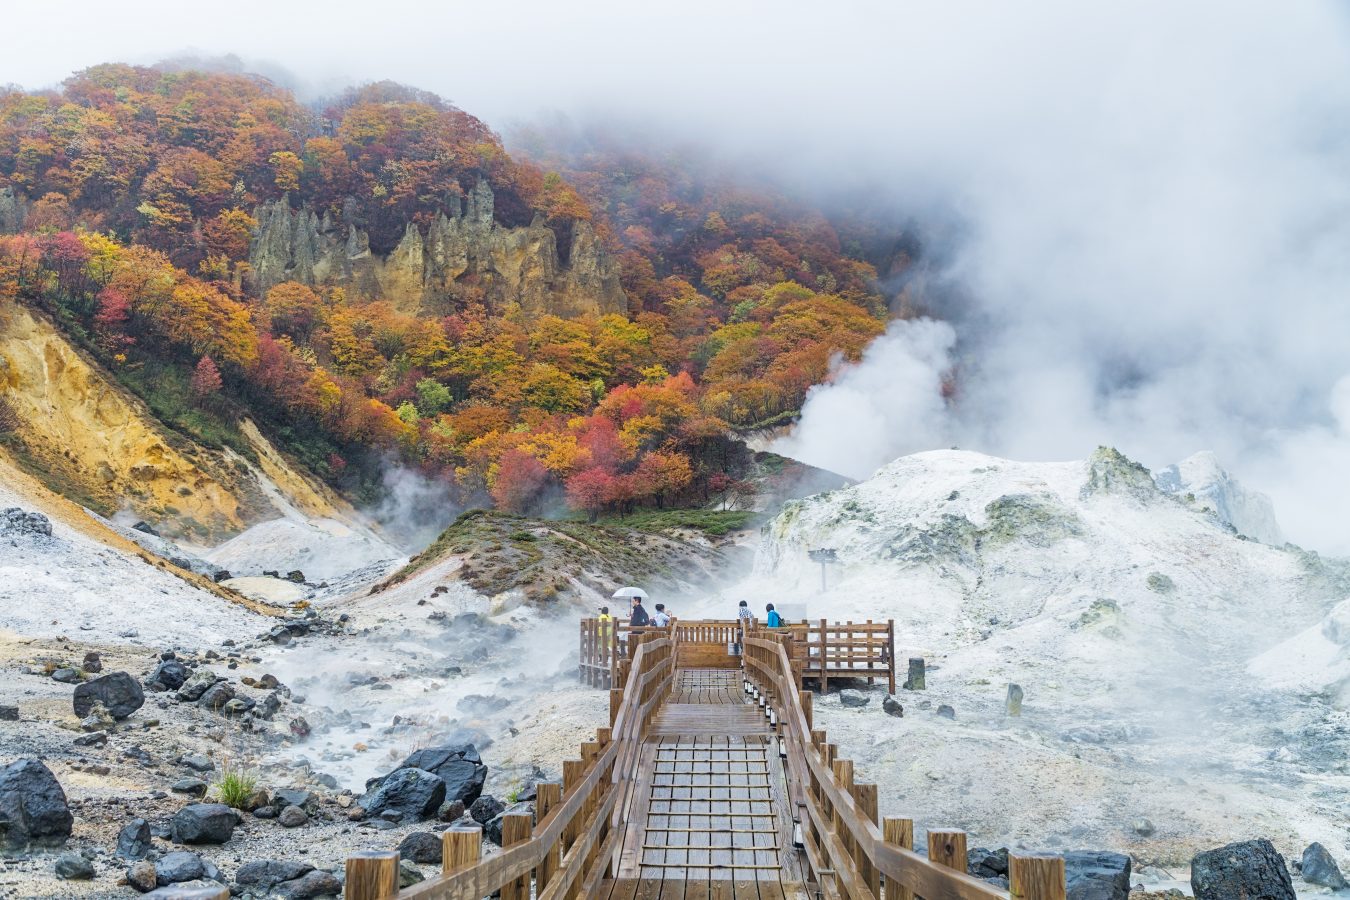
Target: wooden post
(461, 847)
(808, 707)
(890, 654)
(948, 848)
(843, 776)
(516, 830)
(1036, 877)
(615, 701)
(865, 795)
(824, 654)
(548, 796)
(372, 875)
(899, 832)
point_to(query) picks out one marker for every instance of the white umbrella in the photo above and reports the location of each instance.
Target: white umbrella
(627, 593)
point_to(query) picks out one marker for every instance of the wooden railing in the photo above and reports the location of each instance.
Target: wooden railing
(571, 842)
(852, 855)
(821, 649)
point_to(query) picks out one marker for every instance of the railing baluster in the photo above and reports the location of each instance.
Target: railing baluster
(899, 832)
(372, 875)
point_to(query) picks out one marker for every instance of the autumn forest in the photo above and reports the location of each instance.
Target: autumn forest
(130, 204)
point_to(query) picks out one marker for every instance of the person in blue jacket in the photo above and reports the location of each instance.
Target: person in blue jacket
(773, 619)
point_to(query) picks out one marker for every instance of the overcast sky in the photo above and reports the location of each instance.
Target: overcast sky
(1153, 198)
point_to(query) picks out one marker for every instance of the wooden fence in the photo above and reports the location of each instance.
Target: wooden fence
(852, 854)
(568, 846)
(821, 649)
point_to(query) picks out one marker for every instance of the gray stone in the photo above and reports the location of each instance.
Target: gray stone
(120, 694)
(1097, 875)
(1013, 703)
(133, 841)
(33, 809)
(946, 711)
(492, 830)
(292, 817)
(74, 867)
(1252, 870)
(450, 810)
(197, 762)
(1143, 827)
(408, 875)
(848, 697)
(92, 662)
(196, 685)
(421, 847)
(267, 872)
(312, 884)
(193, 787)
(306, 800)
(1319, 867)
(66, 675)
(8, 713)
(216, 696)
(891, 707)
(405, 795)
(179, 866)
(203, 823)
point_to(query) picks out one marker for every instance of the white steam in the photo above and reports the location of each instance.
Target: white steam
(413, 509)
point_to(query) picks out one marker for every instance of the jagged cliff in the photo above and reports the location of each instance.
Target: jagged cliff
(13, 210)
(430, 271)
(90, 440)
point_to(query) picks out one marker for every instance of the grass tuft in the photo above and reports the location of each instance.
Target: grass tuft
(236, 786)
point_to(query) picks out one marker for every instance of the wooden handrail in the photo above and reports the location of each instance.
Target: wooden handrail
(846, 835)
(592, 823)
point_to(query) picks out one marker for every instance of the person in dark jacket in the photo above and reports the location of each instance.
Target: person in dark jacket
(639, 616)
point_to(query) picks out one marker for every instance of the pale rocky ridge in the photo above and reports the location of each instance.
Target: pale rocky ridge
(423, 273)
(1130, 617)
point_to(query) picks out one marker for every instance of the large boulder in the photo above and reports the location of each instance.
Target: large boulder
(203, 823)
(1251, 870)
(21, 522)
(182, 865)
(74, 867)
(1319, 867)
(405, 795)
(458, 765)
(196, 685)
(1097, 875)
(486, 808)
(120, 694)
(33, 810)
(312, 884)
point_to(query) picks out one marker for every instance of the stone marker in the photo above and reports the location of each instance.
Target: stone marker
(915, 681)
(1014, 702)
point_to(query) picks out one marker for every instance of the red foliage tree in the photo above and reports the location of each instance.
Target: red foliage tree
(206, 381)
(591, 490)
(518, 480)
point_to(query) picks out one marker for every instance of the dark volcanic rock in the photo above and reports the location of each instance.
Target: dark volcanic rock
(306, 800)
(169, 675)
(119, 693)
(850, 697)
(267, 872)
(216, 696)
(204, 823)
(892, 707)
(405, 795)
(196, 685)
(33, 808)
(92, 662)
(1096, 875)
(311, 884)
(15, 521)
(421, 847)
(193, 787)
(492, 830)
(9, 713)
(485, 808)
(292, 817)
(133, 841)
(66, 675)
(141, 875)
(180, 866)
(1251, 870)
(450, 810)
(1320, 868)
(458, 765)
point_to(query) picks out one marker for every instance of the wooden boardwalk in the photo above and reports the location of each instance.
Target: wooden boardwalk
(709, 784)
(710, 806)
